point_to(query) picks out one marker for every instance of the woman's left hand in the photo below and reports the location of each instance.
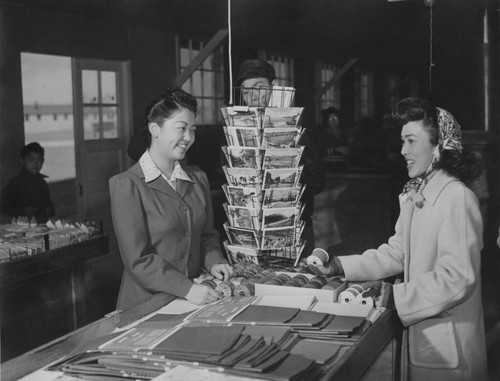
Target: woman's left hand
(222, 271)
(380, 290)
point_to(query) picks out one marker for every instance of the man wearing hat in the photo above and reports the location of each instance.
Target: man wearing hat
(255, 79)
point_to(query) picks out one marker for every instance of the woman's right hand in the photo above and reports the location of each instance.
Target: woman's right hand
(200, 294)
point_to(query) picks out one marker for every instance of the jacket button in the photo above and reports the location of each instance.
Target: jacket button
(183, 208)
(187, 234)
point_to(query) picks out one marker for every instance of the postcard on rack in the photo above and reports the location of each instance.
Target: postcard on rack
(280, 197)
(282, 157)
(237, 254)
(282, 117)
(279, 217)
(281, 177)
(243, 196)
(242, 116)
(278, 238)
(241, 236)
(244, 177)
(280, 137)
(243, 157)
(282, 96)
(243, 136)
(241, 217)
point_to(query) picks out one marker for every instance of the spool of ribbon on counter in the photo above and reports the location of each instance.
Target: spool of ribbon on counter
(353, 295)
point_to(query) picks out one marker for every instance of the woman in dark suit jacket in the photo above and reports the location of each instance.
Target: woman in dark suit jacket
(162, 211)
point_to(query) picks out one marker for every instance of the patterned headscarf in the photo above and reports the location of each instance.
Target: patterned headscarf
(449, 138)
(450, 135)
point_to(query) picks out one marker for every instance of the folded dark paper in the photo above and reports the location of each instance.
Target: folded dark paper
(265, 315)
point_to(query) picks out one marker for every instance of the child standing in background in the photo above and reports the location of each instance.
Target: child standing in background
(27, 194)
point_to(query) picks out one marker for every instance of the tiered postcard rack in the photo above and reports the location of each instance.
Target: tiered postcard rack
(263, 188)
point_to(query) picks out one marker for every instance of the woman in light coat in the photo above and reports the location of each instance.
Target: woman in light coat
(437, 246)
(162, 211)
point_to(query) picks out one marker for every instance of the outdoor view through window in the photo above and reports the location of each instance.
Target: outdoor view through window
(48, 120)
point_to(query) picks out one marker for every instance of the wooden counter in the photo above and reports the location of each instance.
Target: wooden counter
(43, 296)
(352, 366)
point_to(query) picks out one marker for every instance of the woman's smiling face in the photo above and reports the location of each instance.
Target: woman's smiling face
(175, 135)
(417, 148)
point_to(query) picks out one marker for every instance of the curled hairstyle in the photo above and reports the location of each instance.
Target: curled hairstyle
(463, 165)
(160, 109)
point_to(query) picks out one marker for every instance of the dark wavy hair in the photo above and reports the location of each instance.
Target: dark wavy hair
(463, 165)
(160, 109)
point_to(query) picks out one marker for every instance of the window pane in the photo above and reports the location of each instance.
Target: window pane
(207, 111)
(89, 86)
(48, 112)
(208, 83)
(108, 79)
(184, 56)
(110, 122)
(196, 90)
(91, 125)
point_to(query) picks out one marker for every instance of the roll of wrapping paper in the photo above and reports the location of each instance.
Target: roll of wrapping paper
(296, 281)
(317, 258)
(226, 288)
(366, 301)
(237, 280)
(245, 288)
(316, 282)
(209, 283)
(278, 280)
(349, 295)
(332, 284)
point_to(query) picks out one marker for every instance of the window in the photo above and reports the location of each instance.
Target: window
(100, 105)
(207, 82)
(48, 111)
(284, 67)
(365, 102)
(331, 97)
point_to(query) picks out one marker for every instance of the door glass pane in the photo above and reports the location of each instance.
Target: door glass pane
(90, 90)
(108, 92)
(91, 127)
(110, 122)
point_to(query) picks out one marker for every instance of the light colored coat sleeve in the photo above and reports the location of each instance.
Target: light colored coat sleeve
(374, 264)
(446, 248)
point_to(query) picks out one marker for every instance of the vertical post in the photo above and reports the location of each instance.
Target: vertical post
(486, 68)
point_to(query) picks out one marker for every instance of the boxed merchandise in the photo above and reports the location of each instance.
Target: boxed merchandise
(329, 294)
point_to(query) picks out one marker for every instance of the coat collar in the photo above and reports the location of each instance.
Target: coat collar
(436, 185)
(161, 185)
(430, 192)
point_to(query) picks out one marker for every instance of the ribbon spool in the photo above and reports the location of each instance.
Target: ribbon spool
(364, 301)
(318, 258)
(350, 294)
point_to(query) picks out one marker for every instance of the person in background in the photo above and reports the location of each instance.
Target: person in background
(335, 137)
(437, 246)
(162, 211)
(27, 194)
(255, 79)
